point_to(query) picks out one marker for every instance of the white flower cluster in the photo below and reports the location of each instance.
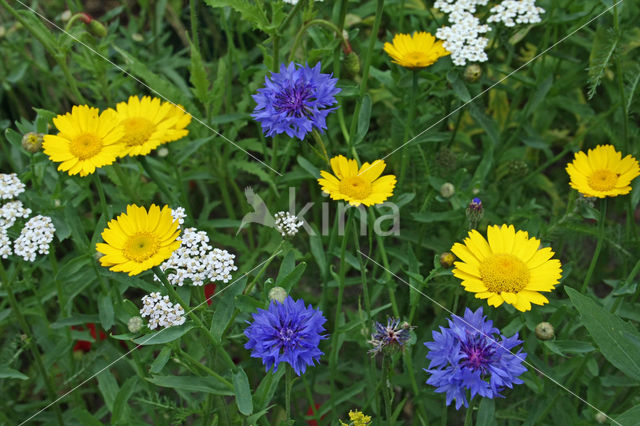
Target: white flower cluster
(512, 12)
(11, 211)
(178, 214)
(197, 261)
(36, 236)
(10, 186)
(161, 311)
(464, 39)
(287, 224)
(5, 244)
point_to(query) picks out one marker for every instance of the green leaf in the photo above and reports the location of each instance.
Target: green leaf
(249, 11)
(108, 388)
(9, 373)
(121, 410)
(610, 334)
(629, 417)
(564, 347)
(105, 308)
(458, 86)
(604, 46)
(161, 360)
(290, 280)
(243, 392)
(207, 384)
(486, 412)
(86, 418)
(267, 388)
(165, 335)
(364, 118)
(198, 76)
(225, 307)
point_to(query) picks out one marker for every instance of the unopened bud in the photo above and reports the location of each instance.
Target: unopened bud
(96, 28)
(134, 324)
(32, 142)
(163, 151)
(447, 190)
(544, 331)
(474, 212)
(137, 37)
(352, 64)
(601, 417)
(66, 15)
(278, 294)
(472, 73)
(518, 168)
(447, 259)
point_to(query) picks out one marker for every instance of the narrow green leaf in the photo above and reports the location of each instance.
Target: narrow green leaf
(108, 388)
(161, 360)
(198, 75)
(267, 388)
(610, 334)
(105, 309)
(121, 409)
(458, 86)
(165, 335)
(192, 384)
(290, 280)
(486, 412)
(604, 46)
(629, 417)
(243, 392)
(10, 373)
(364, 118)
(225, 307)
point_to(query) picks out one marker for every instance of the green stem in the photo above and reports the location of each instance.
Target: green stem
(124, 182)
(363, 275)
(365, 76)
(386, 386)
(414, 385)
(387, 274)
(15, 308)
(305, 27)
(596, 253)
(156, 179)
(103, 200)
(197, 364)
(287, 393)
(192, 315)
(468, 418)
(619, 71)
(193, 17)
(253, 282)
(408, 126)
(318, 138)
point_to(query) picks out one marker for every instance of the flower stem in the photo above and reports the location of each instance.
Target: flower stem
(33, 346)
(363, 275)
(197, 364)
(192, 315)
(287, 394)
(318, 139)
(414, 385)
(103, 200)
(596, 253)
(386, 386)
(468, 418)
(365, 76)
(408, 125)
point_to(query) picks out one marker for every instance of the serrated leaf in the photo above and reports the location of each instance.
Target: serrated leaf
(198, 75)
(610, 334)
(604, 46)
(249, 11)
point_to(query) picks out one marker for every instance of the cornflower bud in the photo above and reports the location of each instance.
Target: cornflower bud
(447, 190)
(32, 142)
(278, 294)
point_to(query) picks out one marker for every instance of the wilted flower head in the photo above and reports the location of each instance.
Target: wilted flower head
(10, 186)
(391, 337)
(286, 332)
(472, 354)
(295, 100)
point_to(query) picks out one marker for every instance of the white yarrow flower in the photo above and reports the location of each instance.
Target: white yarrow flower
(10, 186)
(10, 211)
(512, 12)
(5, 244)
(287, 224)
(35, 237)
(161, 312)
(178, 214)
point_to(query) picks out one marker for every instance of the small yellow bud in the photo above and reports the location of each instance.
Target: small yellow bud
(447, 259)
(32, 142)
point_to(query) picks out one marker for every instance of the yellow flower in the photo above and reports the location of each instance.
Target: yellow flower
(137, 241)
(357, 186)
(510, 267)
(415, 51)
(357, 418)
(148, 123)
(602, 172)
(85, 141)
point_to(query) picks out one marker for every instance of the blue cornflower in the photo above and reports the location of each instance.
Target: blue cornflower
(295, 100)
(286, 332)
(472, 354)
(391, 337)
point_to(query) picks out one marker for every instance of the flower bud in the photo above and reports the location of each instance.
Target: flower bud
(163, 151)
(134, 324)
(277, 294)
(474, 212)
(352, 64)
(96, 29)
(447, 259)
(544, 331)
(447, 190)
(601, 417)
(137, 37)
(472, 73)
(32, 142)
(66, 15)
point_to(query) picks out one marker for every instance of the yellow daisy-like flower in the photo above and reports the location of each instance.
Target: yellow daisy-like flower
(357, 419)
(86, 140)
(602, 172)
(148, 123)
(137, 240)
(415, 51)
(510, 267)
(357, 186)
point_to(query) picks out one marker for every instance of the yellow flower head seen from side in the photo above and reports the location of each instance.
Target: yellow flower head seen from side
(507, 267)
(362, 185)
(148, 123)
(86, 140)
(415, 51)
(139, 240)
(357, 419)
(602, 172)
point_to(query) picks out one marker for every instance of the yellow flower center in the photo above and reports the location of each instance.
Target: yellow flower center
(603, 180)
(138, 130)
(355, 187)
(504, 272)
(141, 246)
(416, 58)
(85, 146)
